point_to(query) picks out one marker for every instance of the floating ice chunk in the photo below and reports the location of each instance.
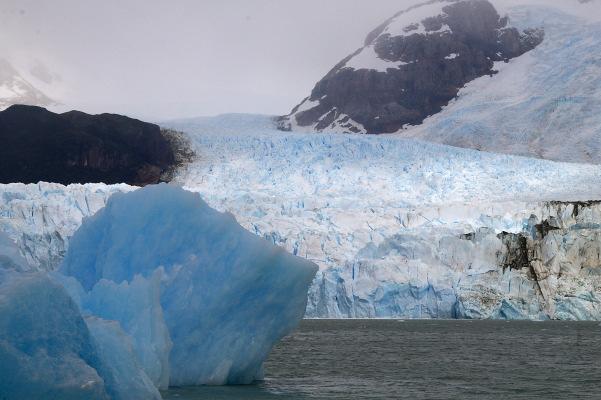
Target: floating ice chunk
(226, 295)
(46, 351)
(124, 377)
(45, 348)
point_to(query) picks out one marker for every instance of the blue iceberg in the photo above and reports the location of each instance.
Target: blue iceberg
(202, 299)
(46, 350)
(158, 289)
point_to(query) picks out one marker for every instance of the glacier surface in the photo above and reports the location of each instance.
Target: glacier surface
(387, 220)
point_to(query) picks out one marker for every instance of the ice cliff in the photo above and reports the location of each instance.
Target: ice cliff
(156, 289)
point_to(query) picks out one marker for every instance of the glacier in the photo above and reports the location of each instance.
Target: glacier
(387, 218)
(157, 289)
(398, 227)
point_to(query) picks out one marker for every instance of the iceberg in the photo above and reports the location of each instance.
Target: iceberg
(201, 299)
(157, 289)
(46, 350)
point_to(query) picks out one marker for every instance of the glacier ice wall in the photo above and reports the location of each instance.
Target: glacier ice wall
(202, 299)
(40, 218)
(387, 219)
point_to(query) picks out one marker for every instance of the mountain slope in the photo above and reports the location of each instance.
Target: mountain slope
(545, 104)
(410, 67)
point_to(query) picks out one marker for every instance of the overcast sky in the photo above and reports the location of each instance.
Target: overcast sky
(165, 59)
(160, 59)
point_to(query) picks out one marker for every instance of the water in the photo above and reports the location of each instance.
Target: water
(377, 359)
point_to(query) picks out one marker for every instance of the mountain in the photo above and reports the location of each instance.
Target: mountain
(74, 147)
(15, 89)
(410, 67)
(545, 104)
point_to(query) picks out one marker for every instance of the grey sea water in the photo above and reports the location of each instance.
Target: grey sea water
(390, 359)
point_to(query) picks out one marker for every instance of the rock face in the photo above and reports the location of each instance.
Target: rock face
(410, 67)
(74, 147)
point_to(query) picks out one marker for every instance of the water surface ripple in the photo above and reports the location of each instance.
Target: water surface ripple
(391, 359)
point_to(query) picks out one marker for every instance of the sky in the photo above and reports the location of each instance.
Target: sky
(164, 59)
(160, 59)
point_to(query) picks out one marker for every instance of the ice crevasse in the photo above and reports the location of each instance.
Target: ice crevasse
(164, 291)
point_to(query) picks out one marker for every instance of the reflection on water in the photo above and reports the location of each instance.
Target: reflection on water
(379, 359)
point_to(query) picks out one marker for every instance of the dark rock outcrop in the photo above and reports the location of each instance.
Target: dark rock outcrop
(410, 69)
(74, 147)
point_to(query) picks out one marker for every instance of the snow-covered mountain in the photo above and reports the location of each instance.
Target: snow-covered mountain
(411, 66)
(545, 103)
(399, 228)
(16, 89)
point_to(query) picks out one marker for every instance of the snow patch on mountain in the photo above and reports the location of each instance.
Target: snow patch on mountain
(409, 68)
(411, 22)
(367, 58)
